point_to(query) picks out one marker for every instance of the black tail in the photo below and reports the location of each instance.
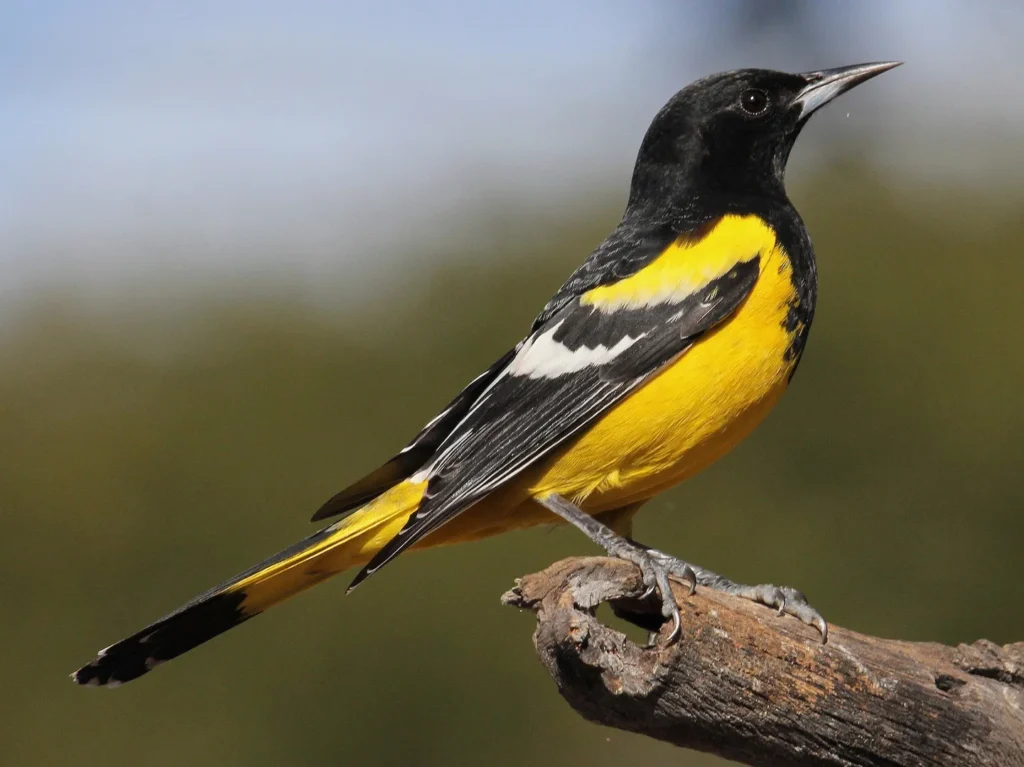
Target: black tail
(208, 615)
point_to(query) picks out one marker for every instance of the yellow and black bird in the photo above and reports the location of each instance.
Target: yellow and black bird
(660, 353)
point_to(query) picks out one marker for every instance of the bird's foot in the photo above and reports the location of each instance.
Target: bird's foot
(785, 600)
(655, 568)
(655, 571)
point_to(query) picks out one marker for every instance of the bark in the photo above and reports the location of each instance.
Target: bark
(761, 689)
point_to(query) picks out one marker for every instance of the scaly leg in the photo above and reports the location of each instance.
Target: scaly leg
(654, 569)
(786, 600)
(656, 566)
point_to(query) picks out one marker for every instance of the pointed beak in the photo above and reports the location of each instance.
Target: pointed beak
(825, 85)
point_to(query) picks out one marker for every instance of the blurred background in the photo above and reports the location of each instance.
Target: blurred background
(248, 248)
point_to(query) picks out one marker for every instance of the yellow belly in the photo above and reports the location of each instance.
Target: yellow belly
(679, 422)
(690, 414)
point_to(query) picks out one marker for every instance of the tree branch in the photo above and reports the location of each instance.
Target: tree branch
(760, 689)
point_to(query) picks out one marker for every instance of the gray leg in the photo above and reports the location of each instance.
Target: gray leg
(654, 566)
(786, 600)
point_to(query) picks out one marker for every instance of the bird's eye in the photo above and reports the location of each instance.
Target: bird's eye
(754, 102)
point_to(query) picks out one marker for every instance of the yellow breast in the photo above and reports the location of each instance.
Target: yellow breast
(703, 404)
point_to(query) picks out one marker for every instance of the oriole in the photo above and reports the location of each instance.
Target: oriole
(661, 352)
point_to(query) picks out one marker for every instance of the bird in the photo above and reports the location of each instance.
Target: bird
(663, 350)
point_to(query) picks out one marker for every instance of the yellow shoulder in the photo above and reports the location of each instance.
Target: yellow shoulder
(689, 264)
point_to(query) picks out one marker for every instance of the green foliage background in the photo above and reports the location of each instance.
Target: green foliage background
(148, 452)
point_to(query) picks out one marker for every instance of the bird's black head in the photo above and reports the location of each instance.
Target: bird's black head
(729, 135)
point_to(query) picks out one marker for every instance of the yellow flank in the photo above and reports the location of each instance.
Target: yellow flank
(687, 416)
(706, 402)
(682, 420)
(687, 265)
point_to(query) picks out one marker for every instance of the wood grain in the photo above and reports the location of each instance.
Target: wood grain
(760, 689)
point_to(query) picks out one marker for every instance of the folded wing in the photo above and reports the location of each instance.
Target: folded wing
(576, 365)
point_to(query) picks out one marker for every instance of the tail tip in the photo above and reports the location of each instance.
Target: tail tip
(111, 672)
(90, 675)
(204, 618)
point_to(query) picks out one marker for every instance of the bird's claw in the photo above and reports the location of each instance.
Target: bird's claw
(677, 627)
(655, 573)
(689, 576)
(785, 600)
(822, 626)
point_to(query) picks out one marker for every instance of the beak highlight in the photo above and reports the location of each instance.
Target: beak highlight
(825, 85)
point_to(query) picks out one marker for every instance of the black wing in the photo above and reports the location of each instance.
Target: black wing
(569, 371)
(626, 251)
(417, 452)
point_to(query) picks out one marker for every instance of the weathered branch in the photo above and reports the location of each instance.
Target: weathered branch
(763, 690)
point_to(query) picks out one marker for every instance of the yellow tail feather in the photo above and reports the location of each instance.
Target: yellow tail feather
(352, 541)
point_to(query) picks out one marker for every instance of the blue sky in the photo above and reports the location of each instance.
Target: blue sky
(176, 138)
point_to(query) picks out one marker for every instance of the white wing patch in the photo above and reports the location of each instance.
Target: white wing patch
(544, 357)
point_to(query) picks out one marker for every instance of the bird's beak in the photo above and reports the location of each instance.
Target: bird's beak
(825, 85)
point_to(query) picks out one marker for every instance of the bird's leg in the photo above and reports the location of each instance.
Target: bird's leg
(786, 600)
(654, 566)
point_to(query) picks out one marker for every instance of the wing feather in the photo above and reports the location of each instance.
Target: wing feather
(574, 367)
(420, 450)
(628, 249)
